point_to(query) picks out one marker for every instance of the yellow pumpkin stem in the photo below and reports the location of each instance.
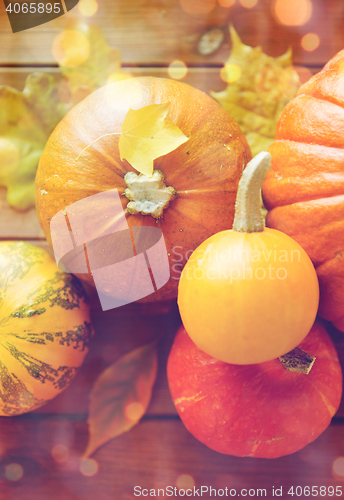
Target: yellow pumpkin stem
(248, 217)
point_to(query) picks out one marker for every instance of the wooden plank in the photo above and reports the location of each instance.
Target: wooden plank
(155, 454)
(204, 79)
(161, 31)
(18, 225)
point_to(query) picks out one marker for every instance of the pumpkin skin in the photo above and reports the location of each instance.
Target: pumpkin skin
(250, 275)
(45, 327)
(204, 171)
(260, 410)
(304, 190)
(235, 280)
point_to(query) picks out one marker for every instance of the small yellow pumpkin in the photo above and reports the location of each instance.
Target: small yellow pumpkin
(250, 294)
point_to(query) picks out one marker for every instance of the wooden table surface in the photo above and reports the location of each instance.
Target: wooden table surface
(159, 451)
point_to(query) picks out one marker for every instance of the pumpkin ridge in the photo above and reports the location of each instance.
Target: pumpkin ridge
(43, 372)
(67, 296)
(307, 119)
(36, 368)
(302, 201)
(14, 389)
(293, 141)
(327, 85)
(316, 202)
(310, 143)
(331, 409)
(79, 337)
(321, 98)
(282, 139)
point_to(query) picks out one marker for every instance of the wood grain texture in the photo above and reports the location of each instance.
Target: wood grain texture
(154, 454)
(159, 31)
(15, 224)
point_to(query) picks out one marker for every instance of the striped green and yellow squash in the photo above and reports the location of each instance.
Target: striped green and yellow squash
(45, 327)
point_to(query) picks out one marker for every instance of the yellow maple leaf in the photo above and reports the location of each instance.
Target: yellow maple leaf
(259, 86)
(146, 135)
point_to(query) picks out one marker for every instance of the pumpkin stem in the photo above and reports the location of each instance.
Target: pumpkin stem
(148, 195)
(297, 360)
(248, 217)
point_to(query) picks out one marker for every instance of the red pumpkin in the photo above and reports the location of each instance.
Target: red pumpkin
(304, 189)
(204, 171)
(260, 410)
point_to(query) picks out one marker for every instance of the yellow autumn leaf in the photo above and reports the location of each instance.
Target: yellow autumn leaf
(146, 135)
(258, 88)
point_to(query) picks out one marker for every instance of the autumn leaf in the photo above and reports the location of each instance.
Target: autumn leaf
(146, 135)
(85, 59)
(120, 396)
(26, 120)
(259, 87)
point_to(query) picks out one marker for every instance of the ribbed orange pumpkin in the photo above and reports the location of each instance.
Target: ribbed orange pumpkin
(204, 171)
(304, 191)
(45, 327)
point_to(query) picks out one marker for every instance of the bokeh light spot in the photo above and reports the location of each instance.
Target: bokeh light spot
(197, 6)
(60, 453)
(226, 3)
(338, 467)
(134, 411)
(230, 73)
(185, 481)
(71, 48)
(177, 70)
(293, 12)
(88, 7)
(248, 4)
(89, 467)
(14, 472)
(310, 42)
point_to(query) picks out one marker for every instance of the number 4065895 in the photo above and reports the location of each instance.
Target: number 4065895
(314, 491)
(34, 8)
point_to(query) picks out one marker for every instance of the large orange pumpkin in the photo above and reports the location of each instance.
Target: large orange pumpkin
(204, 171)
(45, 327)
(304, 191)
